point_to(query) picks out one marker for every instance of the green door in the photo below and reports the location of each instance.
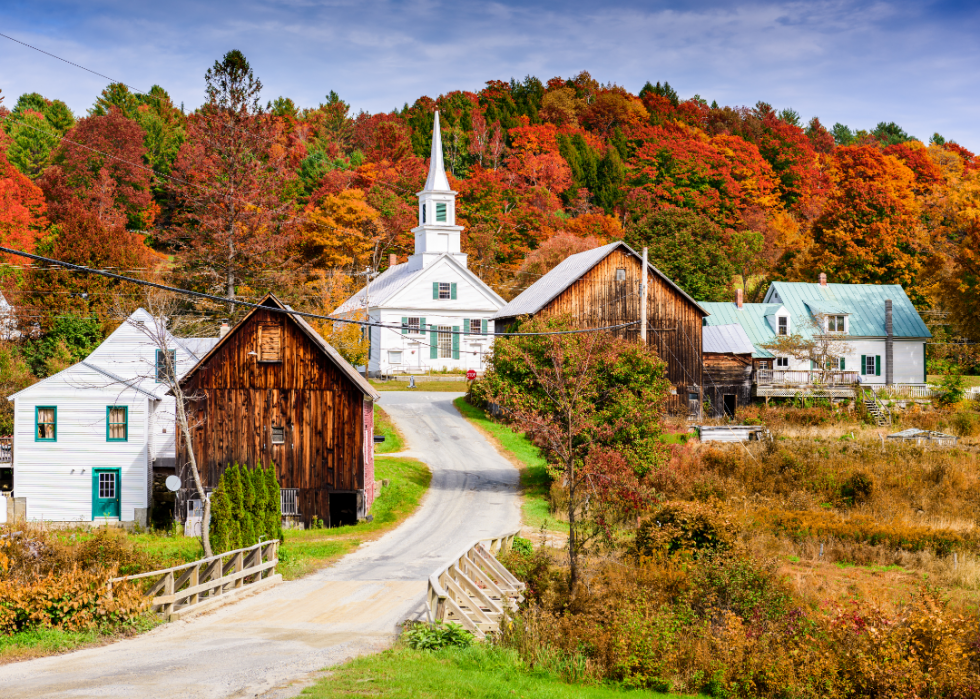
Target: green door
(105, 493)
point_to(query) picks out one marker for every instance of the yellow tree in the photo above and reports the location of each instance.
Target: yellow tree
(341, 231)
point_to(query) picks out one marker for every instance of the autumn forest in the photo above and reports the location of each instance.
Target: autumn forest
(249, 194)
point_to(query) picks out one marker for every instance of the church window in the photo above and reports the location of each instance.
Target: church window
(445, 342)
(414, 325)
(476, 326)
(440, 212)
(445, 290)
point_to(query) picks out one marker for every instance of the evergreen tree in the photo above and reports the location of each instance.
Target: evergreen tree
(260, 520)
(224, 526)
(273, 504)
(248, 524)
(237, 497)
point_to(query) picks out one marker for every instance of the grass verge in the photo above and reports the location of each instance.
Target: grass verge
(394, 441)
(478, 672)
(461, 386)
(535, 483)
(39, 642)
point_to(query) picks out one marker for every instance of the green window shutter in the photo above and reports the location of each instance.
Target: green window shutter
(842, 364)
(455, 340)
(404, 325)
(452, 291)
(877, 365)
(435, 290)
(433, 345)
(422, 325)
(864, 365)
(440, 212)
(925, 367)
(483, 324)
(466, 326)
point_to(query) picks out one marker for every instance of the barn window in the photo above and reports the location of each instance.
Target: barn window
(278, 435)
(166, 365)
(45, 423)
(117, 423)
(270, 343)
(621, 274)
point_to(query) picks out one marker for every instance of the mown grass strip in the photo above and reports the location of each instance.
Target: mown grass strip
(383, 426)
(535, 482)
(460, 386)
(39, 642)
(479, 672)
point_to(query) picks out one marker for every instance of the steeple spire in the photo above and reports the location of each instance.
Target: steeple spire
(437, 181)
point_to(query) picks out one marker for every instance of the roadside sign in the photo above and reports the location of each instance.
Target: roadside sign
(471, 374)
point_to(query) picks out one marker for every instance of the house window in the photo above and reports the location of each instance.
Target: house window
(445, 290)
(415, 325)
(46, 424)
(440, 212)
(870, 367)
(621, 274)
(117, 423)
(476, 326)
(166, 365)
(835, 324)
(445, 342)
(782, 362)
(782, 325)
(278, 435)
(394, 357)
(270, 343)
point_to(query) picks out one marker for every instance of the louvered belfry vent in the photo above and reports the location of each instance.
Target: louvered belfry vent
(270, 343)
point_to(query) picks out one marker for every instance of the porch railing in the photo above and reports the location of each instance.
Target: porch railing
(289, 499)
(806, 378)
(6, 450)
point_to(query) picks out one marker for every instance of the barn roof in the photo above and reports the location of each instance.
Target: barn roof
(270, 301)
(726, 339)
(570, 270)
(751, 317)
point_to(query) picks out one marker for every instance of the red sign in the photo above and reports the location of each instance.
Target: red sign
(471, 374)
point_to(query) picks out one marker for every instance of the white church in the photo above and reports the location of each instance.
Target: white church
(436, 311)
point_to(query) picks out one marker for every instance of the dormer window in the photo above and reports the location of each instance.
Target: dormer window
(441, 215)
(782, 325)
(835, 324)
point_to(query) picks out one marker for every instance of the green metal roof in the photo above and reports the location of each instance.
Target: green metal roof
(864, 303)
(752, 318)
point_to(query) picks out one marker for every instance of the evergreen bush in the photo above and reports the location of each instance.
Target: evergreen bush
(261, 521)
(245, 508)
(273, 504)
(249, 519)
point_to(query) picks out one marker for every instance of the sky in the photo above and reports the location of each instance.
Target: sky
(857, 63)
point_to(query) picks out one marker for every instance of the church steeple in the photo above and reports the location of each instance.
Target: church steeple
(437, 232)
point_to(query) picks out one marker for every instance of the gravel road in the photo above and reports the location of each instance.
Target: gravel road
(272, 644)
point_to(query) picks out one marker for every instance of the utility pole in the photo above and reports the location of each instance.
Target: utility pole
(367, 313)
(643, 300)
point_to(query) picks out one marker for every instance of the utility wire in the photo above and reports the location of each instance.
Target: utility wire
(285, 311)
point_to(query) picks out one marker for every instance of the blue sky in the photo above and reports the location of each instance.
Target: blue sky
(915, 63)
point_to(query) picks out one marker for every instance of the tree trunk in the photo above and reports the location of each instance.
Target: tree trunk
(188, 442)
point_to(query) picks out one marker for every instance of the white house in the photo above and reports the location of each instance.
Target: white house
(868, 318)
(436, 311)
(87, 439)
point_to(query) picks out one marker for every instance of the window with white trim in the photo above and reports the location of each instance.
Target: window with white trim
(835, 324)
(395, 357)
(414, 325)
(445, 290)
(278, 434)
(782, 325)
(476, 326)
(782, 362)
(445, 342)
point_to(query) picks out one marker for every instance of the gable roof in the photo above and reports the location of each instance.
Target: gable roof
(863, 303)
(569, 271)
(270, 301)
(726, 339)
(397, 277)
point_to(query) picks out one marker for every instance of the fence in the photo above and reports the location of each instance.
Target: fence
(474, 588)
(806, 378)
(289, 501)
(192, 586)
(6, 450)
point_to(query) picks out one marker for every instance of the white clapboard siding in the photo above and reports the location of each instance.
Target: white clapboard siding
(908, 356)
(56, 477)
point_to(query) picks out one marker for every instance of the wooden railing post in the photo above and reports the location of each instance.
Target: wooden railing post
(194, 581)
(239, 561)
(168, 590)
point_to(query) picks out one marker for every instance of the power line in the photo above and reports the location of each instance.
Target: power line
(285, 311)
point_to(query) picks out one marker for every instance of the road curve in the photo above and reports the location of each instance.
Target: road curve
(267, 644)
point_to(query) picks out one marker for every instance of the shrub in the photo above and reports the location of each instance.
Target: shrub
(522, 546)
(691, 527)
(857, 488)
(966, 423)
(423, 636)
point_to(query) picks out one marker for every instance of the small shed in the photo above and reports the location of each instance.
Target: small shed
(727, 353)
(918, 436)
(272, 391)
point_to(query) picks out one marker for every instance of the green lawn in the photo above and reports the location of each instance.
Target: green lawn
(394, 441)
(460, 386)
(39, 642)
(535, 482)
(968, 381)
(480, 672)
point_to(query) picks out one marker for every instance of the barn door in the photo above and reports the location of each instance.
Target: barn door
(105, 493)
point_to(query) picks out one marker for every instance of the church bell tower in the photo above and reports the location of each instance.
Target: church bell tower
(437, 232)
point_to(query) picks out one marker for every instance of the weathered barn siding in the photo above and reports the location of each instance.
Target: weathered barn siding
(727, 374)
(240, 399)
(597, 299)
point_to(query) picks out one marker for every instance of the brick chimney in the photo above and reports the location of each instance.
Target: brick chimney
(392, 259)
(823, 279)
(223, 330)
(738, 297)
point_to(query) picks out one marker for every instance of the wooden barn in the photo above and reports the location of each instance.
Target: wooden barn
(727, 369)
(273, 391)
(601, 287)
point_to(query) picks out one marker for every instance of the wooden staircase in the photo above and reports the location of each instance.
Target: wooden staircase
(475, 589)
(878, 411)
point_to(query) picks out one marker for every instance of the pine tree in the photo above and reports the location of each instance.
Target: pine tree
(233, 476)
(261, 522)
(249, 537)
(273, 504)
(225, 532)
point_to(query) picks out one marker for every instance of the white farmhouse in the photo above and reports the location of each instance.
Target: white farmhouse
(437, 312)
(87, 439)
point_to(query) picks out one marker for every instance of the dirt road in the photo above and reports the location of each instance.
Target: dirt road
(267, 644)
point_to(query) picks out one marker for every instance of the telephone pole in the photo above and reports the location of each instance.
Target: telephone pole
(643, 300)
